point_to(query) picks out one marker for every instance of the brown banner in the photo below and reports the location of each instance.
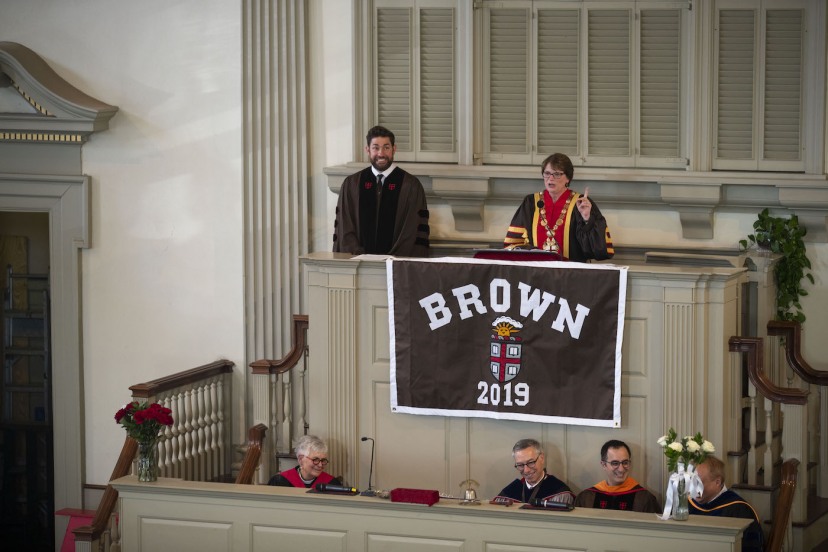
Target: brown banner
(522, 341)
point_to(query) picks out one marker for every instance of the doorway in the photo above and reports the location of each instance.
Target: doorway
(26, 423)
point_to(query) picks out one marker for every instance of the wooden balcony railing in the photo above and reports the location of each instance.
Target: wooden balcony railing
(287, 390)
(195, 447)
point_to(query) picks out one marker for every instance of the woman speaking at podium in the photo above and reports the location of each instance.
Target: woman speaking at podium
(312, 455)
(560, 220)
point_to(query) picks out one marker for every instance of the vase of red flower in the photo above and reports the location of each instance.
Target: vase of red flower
(143, 422)
(147, 466)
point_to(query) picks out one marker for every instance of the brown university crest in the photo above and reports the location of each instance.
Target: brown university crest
(505, 349)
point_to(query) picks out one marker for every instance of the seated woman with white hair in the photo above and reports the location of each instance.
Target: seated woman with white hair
(312, 455)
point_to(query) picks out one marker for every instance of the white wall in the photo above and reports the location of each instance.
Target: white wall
(162, 281)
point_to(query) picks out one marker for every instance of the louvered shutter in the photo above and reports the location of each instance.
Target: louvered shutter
(508, 81)
(437, 80)
(660, 82)
(735, 105)
(558, 75)
(393, 49)
(609, 82)
(783, 90)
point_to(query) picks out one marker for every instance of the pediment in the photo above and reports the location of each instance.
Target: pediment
(37, 105)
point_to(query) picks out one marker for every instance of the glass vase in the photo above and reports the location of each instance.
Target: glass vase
(682, 509)
(147, 464)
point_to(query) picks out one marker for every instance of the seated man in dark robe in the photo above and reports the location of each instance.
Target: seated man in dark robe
(618, 491)
(312, 455)
(718, 500)
(535, 484)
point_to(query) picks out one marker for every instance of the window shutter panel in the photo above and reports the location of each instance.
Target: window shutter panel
(508, 80)
(736, 77)
(558, 75)
(437, 80)
(659, 83)
(783, 93)
(609, 82)
(394, 102)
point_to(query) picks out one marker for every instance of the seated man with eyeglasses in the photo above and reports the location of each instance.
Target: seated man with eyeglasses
(535, 484)
(312, 454)
(618, 491)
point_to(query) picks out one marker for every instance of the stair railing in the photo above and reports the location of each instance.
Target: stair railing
(282, 399)
(818, 414)
(794, 407)
(196, 447)
(97, 536)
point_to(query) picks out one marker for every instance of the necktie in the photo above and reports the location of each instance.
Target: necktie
(379, 180)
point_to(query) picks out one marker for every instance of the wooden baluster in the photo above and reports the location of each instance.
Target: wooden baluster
(287, 414)
(752, 421)
(202, 435)
(767, 457)
(274, 435)
(114, 534)
(220, 392)
(188, 434)
(214, 458)
(182, 437)
(303, 395)
(165, 460)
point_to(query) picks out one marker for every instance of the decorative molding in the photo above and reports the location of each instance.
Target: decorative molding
(66, 200)
(41, 137)
(64, 110)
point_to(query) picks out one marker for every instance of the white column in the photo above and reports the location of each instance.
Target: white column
(275, 189)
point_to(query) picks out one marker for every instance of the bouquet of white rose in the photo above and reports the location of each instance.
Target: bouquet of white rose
(692, 449)
(683, 455)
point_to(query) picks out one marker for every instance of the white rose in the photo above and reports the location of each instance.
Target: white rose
(693, 446)
(662, 441)
(676, 446)
(708, 447)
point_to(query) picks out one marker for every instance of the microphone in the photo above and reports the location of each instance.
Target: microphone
(540, 204)
(370, 491)
(550, 504)
(328, 488)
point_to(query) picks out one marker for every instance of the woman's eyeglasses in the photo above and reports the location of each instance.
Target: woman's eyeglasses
(547, 175)
(318, 461)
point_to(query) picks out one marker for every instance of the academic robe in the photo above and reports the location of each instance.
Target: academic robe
(730, 504)
(290, 478)
(627, 496)
(392, 219)
(582, 240)
(550, 488)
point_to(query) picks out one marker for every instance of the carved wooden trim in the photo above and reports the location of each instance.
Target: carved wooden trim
(200, 373)
(298, 346)
(792, 332)
(255, 438)
(753, 347)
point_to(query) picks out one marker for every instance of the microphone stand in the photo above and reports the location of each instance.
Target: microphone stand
(370, 491)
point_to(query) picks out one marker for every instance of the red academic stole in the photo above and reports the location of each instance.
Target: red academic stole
(292, 475)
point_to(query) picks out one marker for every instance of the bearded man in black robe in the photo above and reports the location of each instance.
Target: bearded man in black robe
(382, 209)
